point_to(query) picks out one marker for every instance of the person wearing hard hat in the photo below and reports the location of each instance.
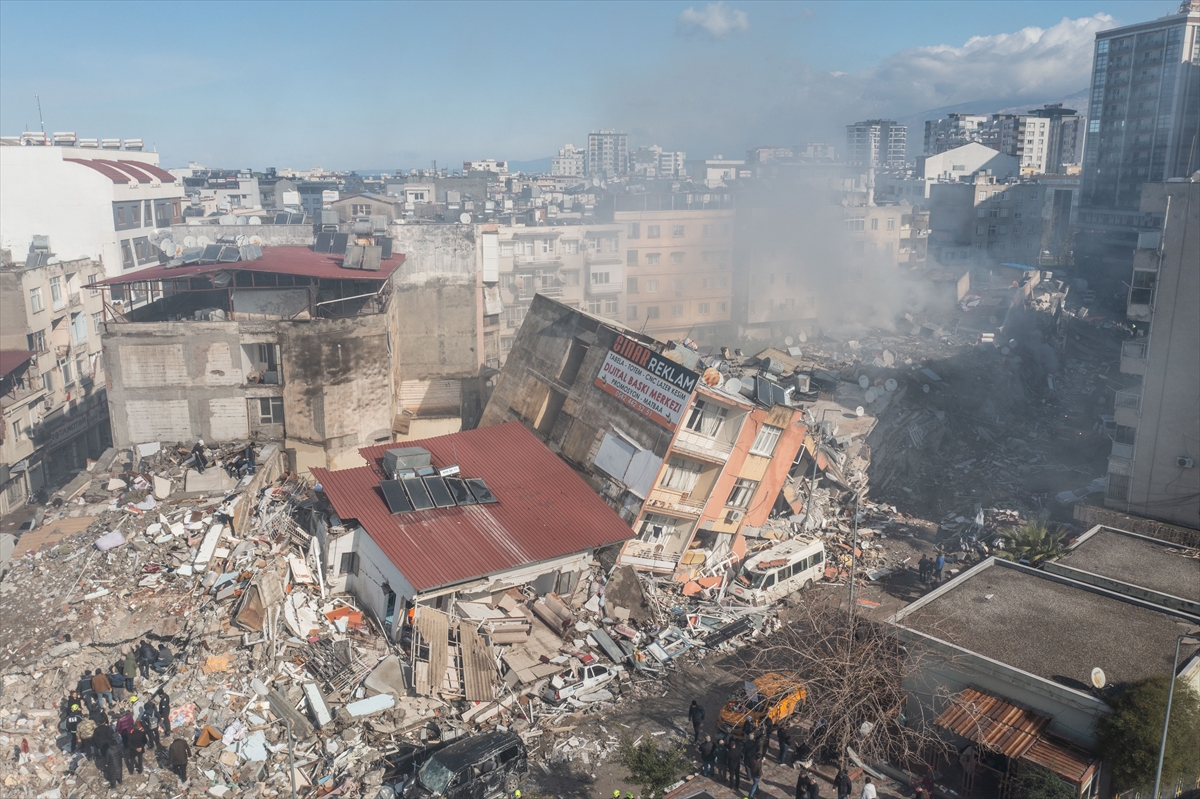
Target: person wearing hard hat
(72, 721)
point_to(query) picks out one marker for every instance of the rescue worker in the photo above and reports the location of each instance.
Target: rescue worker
(74, 717)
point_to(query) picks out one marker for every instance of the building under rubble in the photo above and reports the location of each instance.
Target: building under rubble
(465, 516)
(684, 450)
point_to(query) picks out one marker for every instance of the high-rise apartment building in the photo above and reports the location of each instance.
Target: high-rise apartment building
(1143, 126)
(571, 162)
(1154, 467)
(608, 153)
(954, 130)
(1046, 141)
(878, 143)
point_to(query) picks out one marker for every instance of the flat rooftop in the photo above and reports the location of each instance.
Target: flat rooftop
(1051, 627)
(1138, 560)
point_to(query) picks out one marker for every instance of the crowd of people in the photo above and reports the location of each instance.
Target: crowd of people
(110, 724)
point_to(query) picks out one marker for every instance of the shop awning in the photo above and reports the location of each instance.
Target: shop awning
(992, 723)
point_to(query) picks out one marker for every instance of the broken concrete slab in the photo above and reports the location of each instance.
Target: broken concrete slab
(388, 678)
(213, 481)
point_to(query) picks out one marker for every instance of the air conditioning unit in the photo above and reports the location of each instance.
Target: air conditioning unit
(1184, 463)
(733, 517)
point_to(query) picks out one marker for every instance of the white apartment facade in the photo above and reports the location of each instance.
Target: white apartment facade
(571, 162)
(102, 204)
(608, 153)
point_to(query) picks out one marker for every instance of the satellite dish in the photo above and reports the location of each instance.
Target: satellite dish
(465, 218)
(243, 220)
(255, 220)
(1004, 350)
(889, 384)
(1098, 678)
(228, 219)
(863, 381)
(733, 386)
(189, 242)
(925, 388)
(203, 241)
(789, 341)
(595, 181)
(803, 337)
(256, 240)
(870, 395)
(167, 246)
(859, 411)
(711, 377)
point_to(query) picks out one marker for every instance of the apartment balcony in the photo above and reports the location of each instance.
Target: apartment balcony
(603, 289)
(75, 302)
(1133, 356)
(1141, 305)
(551, 262)
(702, 446)
(1127, 407)
(682, 503)
(1122, 451)
(646, 555)
(600, 258)
(527, 295)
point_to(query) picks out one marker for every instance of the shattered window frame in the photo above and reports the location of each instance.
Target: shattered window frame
(741, 493)
(766, 440)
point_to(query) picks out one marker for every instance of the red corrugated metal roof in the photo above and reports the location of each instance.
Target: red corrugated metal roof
(129, 168)
(299, 261)
(544, 509)
(1063, 758)
(150, 169)
(103, 167)
(993, 723)
(11, 360)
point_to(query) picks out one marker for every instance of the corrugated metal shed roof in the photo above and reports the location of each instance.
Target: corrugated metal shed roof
(544, 509)
(992, 723)
(1063, 758)
(10, 360)
(299, 261)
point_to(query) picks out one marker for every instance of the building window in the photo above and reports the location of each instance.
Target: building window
(600, 278)
(92, 279)
(874, 224)
(270, 410)
(652, 312)
(570, 277)
(891, 223)
(68, 375)
(652, 259)
(593, 306)
(677, 231)
(702, 309)
(631, 257)
(652, 286)
(656, 527)
(79, 328)
(631, 312)
(126, 255)
(48, 381)
(722, 307)
(37, 341)
(681, 474)
(979, 230)
(35, 299)
(708, 230)
(765, 441)
(144, 250)
(569, 247)
(706, 418)
(677, 285)
(136, 219)
(360, 210)
(610, 305)
(676, 257)
(631, 285)
(983, 195)
(742, 491)
(653, 232)
(635, 230)
(349, 564)
(677, 310)
(506, 249)
(56, 293)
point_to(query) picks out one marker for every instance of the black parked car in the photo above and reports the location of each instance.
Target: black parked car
(480, 767)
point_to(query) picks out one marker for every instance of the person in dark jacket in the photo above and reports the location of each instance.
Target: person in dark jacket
(749, 727)
(163, 659)
(708, 751)
(198, 457)
(113, 765)
(696, 716)
(755, 769)
(802, 784)
(135, 747)
(177, 758)
(720, 756)
(72, 720)
(734, 761)
(145, 658)
(164, 711)
(117, 681)
(785, 743)
(842, 783)
(149, 720)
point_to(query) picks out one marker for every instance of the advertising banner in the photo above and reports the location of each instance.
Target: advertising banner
(652, 385)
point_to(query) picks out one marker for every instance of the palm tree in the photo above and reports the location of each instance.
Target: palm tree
(1031, 544)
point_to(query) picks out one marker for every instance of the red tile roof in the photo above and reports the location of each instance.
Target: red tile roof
(103, 167)
(544, 509)
(299, 261)
(11, 360)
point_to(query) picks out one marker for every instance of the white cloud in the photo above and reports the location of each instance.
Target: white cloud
(715, 19)
(793, 102)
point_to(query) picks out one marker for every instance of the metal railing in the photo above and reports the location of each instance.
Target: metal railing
(1134, 349)
(1131, 398)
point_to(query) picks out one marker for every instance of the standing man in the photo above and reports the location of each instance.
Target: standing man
(164, 711)
(84, 732)
(938, 565)
(734, 761)
(145, 657)
(868, 791)
(129, 669)
(114, 771)
(102, 688)
(177, 758)
(802, 785)
(755, 769)
(696, 716)
(923, 569)
(135, 746)
(708, 751)
(721, 756)
(842, 782)
(198, 455)
(785, 743)
(74, 717)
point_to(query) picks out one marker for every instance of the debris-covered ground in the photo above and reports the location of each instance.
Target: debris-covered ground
(933, 436)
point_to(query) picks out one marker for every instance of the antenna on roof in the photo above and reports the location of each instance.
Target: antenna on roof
(40, 122)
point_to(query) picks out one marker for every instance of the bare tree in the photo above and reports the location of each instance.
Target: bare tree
(855, 672)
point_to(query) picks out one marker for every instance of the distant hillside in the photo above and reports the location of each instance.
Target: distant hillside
(534, 167)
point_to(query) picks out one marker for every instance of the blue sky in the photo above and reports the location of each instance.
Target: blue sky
(396, 85)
